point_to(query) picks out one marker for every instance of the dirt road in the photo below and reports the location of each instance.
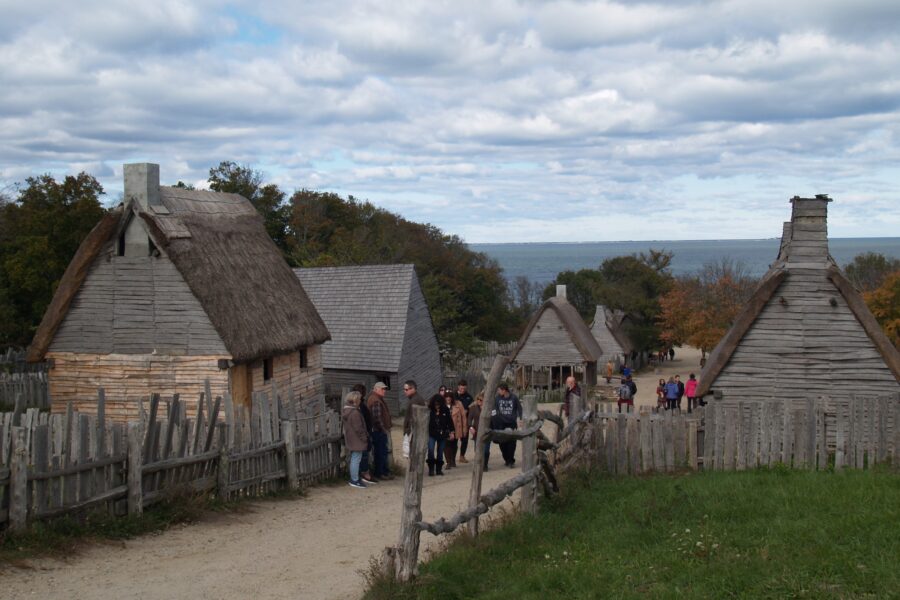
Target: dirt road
(687, 361)
(310, 548)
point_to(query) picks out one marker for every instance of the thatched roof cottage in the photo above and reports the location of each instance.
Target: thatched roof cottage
(172, 287)
(380, 326)
(555, 344)
(806, 330)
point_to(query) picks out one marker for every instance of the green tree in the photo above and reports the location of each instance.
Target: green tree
(868, 271)
(266, 198)
(581, 289)
(40, 234)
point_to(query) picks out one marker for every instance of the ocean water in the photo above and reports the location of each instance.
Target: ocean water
(542, 261)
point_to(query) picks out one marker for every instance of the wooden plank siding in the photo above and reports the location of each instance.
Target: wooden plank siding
(129, 379)
(136, 305)
(304, 383)
(421, 358)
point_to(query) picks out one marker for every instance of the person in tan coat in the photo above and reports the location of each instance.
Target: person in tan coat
(458, 417)
(356, 438)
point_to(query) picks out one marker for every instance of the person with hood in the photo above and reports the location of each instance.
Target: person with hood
(440, 426)
(356, 438)
(506, 415)
(690, 390)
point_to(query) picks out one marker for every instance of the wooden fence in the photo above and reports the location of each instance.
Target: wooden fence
(818, 433)
(56, 464)
(13, 361)
(28, 388)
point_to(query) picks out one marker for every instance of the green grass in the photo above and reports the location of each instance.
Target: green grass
(771, 533)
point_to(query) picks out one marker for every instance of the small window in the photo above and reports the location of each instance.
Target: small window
(386, 380)
(267, 369)
(304, 358)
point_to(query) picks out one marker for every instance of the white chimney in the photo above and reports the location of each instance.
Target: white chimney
(142, 184)
(560, 291)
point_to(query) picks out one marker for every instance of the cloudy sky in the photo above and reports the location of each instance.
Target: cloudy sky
(497, 121)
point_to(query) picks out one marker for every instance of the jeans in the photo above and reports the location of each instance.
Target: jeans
(364, 462)
(355, 458)
(438, 445)
(380, 443)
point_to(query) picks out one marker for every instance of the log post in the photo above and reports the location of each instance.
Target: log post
(135, 465)
(408, 547)
(484, 424)
(18, 481)
(528, 501)
(290, 454)
(223, 474)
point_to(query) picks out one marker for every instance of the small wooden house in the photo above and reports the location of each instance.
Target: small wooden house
(173, 287)
(380, 326)
(805, 331)
(555, 344)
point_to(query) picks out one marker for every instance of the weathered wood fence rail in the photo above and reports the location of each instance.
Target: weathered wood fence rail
(54, 464)
(818, 433)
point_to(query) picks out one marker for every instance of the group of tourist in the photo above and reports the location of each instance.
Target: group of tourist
(670, 393)
(367, 427)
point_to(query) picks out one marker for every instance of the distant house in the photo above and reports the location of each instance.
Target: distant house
(555, 344)
(380, 326)
(806, 330)
(172, 287)
(610, 329)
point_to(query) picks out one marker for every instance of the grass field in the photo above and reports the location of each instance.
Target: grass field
(772, 533)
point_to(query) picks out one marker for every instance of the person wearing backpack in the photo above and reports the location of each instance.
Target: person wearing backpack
(626, 396)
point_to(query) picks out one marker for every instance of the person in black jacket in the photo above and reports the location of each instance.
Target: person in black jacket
(506, 414)
(439, 427)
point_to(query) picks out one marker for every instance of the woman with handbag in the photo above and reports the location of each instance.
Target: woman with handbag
(439, 428)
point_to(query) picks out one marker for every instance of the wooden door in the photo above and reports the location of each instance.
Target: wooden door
(241, 385)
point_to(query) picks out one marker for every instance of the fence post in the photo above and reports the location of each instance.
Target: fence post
(223, 473)
(408, 546)
(529, 455)
(290, 454)
(18, 481)
(484, 423)
(135, 465)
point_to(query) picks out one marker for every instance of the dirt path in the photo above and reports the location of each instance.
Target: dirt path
(312, 547)
(687, 361)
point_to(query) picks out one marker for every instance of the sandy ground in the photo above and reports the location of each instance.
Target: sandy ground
(312, 547)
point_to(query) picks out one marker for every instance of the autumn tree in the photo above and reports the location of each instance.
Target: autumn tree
(884, 302)
(699, 309)
(867, 271)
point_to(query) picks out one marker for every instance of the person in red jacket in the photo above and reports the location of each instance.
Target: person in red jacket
(690, 390)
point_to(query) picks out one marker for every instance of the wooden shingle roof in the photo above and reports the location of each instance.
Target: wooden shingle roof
(365, 308)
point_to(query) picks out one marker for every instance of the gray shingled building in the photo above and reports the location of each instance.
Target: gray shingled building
(805, 331)
(380, 326)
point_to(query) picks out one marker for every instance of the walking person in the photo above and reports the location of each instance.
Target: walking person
(661, 394)
(690, 390)
(474, 417)
(458, 420)
(410, 390)
(439, 428)
(572, 389)
(609, 371)
(506, 415)
(465, 398)
(365, 464)
(680, 385)
(671, 352)
(626, 396)
(671, 394)
(381, 429)
(356, 439)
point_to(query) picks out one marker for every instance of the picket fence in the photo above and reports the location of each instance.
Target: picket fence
(55, 464)
(29, 388)
(818, 433)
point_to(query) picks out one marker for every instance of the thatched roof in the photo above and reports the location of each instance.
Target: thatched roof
(219, 244)
(576, 327)
(803, 295)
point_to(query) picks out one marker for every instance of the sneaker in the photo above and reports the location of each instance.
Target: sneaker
(369, 481)
(358, 484)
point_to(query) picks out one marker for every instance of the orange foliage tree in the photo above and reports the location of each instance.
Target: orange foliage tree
(884, 302)
(698, 310)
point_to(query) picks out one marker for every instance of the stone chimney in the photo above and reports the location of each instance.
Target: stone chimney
(561, 291)
(809, 229)
(142, 184)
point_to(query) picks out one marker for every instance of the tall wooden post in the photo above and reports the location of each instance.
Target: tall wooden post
(408, 546)
(135, 464)
(484, 423)
(529, 455)
(290, 454)
(18, 481)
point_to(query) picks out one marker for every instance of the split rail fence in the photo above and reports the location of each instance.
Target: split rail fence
(56, 464)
